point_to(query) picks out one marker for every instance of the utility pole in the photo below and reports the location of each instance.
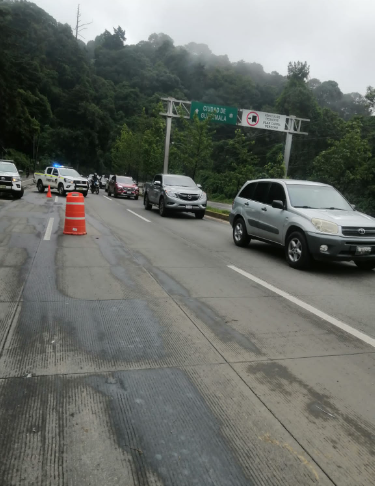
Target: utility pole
(168, 137)
(79, 26)
(288, 144)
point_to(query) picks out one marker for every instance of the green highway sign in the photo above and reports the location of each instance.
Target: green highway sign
(217, 113)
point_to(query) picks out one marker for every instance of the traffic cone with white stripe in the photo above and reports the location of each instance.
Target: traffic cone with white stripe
(49, 192)
(75, 222)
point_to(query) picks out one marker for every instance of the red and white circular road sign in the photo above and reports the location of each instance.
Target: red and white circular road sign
(252, 118)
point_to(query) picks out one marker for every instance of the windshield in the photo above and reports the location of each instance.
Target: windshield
(7, 167)
(181, 181)
(69, 173)
(317, 197)
(125, 180)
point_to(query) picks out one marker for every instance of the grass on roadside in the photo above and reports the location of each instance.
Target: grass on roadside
(219, 199)
(216, 210)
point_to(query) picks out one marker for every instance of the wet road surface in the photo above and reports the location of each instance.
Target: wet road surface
(136, 355)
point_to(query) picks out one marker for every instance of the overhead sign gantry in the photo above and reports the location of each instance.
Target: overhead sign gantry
(290, 125)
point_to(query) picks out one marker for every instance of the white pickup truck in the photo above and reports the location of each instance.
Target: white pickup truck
(10, 180)
(63, 179)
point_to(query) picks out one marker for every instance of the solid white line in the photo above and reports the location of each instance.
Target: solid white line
(57, 199)
(332, 320)
(47, 236)
(108, 198)
(135, 214)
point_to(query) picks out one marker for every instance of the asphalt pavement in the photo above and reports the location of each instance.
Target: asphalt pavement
(153, 351)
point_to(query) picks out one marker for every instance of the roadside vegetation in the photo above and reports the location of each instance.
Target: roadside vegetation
(219, 211)
(96, 107)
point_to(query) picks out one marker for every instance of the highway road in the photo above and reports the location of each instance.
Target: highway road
(153, 351)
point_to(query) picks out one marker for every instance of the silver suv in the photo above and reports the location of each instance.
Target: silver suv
(310, 220)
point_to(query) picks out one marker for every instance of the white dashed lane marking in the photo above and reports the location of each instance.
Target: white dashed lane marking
(141, 217)
(332, 320)
(48, 233)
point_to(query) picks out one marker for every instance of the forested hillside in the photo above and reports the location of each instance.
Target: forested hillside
(96, 107)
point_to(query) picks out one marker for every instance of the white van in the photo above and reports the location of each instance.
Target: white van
(10, 179)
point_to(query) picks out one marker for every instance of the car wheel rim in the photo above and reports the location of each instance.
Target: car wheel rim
(238, 232)
(295, 250)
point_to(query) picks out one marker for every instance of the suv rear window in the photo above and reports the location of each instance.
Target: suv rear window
(248, 191)
(261, 191)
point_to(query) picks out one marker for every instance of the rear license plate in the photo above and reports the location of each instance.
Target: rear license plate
(189, 207)
(363, 250)
(129, 192)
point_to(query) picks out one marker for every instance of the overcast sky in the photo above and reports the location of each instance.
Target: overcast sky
(336, 37)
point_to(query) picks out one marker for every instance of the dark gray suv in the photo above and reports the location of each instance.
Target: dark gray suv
(310, 220)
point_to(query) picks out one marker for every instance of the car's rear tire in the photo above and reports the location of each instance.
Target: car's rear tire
(365, 265)
(240, 236)
(162, 209)
(115, 195)
(200, 214)
(297, 251)
(40, 186)
(146, 203)
(85, 194)
(136, 198)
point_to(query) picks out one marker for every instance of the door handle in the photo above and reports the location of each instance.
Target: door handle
(247, 204)
(264, 209)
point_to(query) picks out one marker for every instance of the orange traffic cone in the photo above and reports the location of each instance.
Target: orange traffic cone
(75, 223)
(49, 192)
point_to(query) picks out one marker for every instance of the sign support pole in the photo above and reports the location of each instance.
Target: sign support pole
(168, 137)
(288, 144)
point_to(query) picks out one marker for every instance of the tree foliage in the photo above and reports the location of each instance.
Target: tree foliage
(349, 165)
(96, 106)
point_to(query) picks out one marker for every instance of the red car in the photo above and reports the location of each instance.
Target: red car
(123, 186)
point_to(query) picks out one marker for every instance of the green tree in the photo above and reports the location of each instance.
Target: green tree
(192, 146)
(126, 153)
(275, 167)
(349, 166)
(153, 149)
(370, 97)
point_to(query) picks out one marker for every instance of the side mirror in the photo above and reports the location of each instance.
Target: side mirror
(278, 204)
(199, 185)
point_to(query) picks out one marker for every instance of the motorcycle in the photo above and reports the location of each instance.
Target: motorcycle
(94, 187)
